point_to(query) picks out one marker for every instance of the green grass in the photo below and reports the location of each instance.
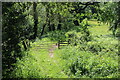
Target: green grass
(39, 64)
(99, 59)
(99, 29)
(98, 63)
(93, 23)
(102, 33)
(103, 65)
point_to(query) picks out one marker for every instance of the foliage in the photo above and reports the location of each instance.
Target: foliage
(97, 58)
(57, 35)
(79, 34)
(82, 64)
(110, 13)
(93, 50)
(37, 63)
(17, 27)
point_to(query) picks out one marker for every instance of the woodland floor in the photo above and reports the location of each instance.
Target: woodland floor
(44, 61)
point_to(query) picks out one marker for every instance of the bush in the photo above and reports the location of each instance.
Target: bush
(83, 64)
(57, 35)
(77, 38)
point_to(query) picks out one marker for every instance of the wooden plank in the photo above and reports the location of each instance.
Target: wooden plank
(63, 43)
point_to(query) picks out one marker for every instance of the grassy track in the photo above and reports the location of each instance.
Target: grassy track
(101, 32)
(39, 64)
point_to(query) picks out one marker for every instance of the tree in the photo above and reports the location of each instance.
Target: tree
(46, 22)
(35, 19)
(16, 29)
(110, 13)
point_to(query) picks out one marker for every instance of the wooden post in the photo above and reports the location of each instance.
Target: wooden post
(68, 41)
(58, 44)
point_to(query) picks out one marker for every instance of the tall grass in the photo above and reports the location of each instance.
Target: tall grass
(97, 58)
(38, 64)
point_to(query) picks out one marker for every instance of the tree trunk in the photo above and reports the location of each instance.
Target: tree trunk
(53, 27)
(35, 19)
(49, 25)
(43, 29)
(59, 27)
(118, 13)
(47, 20)
(59, 24)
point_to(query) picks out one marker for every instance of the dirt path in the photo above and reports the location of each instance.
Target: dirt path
(51, 50)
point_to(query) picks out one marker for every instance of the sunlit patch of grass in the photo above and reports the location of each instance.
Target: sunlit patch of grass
(38, 63)
(99, 29)
(104, 59)
(93, 23)
(102, 33)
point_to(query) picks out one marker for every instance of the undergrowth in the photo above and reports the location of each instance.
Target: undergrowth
(37, 63)
(91, 55)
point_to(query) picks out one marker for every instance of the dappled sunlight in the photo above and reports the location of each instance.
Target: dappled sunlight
(60, 40)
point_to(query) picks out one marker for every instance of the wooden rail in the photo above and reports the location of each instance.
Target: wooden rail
(63, 43)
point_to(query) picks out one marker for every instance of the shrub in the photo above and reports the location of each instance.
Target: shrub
(57, 35)
(83, 64)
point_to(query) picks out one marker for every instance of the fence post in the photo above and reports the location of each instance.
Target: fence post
(58, 44)
(68, 41)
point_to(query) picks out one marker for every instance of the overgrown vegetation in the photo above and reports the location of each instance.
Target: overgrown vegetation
(31, 32)
(95, 59)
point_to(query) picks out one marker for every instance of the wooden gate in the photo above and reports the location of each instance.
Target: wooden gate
(63, 43)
